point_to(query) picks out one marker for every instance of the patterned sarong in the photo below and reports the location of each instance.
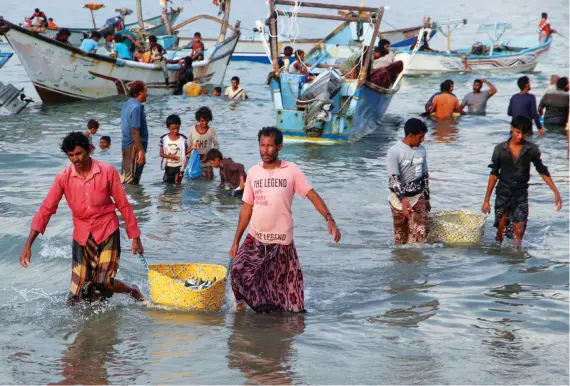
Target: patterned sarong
(414, 229)
(268, 277)
(94, 268)
(513, 203)
(131, 171)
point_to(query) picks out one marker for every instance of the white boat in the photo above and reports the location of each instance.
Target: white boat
(519, 54)
(250, 48)
(63, 73)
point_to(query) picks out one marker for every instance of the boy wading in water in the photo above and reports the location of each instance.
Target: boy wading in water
(93, 192)
(510, 166)
(265, 270)
(409, 185)
(203, 137)
(232, 173)
(173, 151)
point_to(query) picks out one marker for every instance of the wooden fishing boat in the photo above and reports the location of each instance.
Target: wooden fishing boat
(518, 54)
(153, 26)
(4, 57)
(63, 73)
(333, 108)
(250, 48)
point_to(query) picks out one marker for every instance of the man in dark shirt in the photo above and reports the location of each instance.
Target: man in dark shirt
(556, 104)
(511, 167)
(524, 103)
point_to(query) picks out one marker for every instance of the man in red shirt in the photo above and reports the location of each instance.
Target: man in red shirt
(93, 191)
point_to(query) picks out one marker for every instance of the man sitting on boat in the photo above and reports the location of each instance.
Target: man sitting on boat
(62, 36)
(51, 24)
(285, 62)
(121, 49)
(384, 69)
(90, 45)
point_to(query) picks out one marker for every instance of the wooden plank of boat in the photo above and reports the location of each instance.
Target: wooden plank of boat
(62, 73)
(154, 26)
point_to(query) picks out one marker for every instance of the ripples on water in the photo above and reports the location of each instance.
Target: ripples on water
(377, 313)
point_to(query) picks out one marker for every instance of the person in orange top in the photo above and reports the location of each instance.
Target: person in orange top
(445, 104)
(544, 29)
(51, 24)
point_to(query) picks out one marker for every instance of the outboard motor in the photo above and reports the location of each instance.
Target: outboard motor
(111, 25)
(319, 95)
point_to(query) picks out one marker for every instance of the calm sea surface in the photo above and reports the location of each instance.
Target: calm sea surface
(376, 313)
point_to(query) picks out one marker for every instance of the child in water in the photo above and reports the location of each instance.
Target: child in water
(92, 128)
(173, 151)
(105, 142)
(232, 173)
(203, 137)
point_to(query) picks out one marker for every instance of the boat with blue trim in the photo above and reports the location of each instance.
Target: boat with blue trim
(4, 57)
(337, 106)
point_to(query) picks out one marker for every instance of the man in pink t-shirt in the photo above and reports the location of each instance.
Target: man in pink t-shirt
(265, 270)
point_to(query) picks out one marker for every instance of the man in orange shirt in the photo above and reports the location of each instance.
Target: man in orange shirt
(544, 29)
(445, 104)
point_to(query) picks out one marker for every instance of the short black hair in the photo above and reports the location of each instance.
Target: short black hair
(271, 131)
(383, 42)
(37, 10)
(288, 51)
(218, 89)
(450, 81)
(173, 119)
(198, 34)
(95, 34)
(236, 78)
(562, 83)
(204, 113)
(92, 124)
(544, 15)
(522, 123)
(445, 86)
(522, 82)
(106, 138)
(118, 38)
(64, 31)
(152, 39)
(414, 126)
(214, 154)
(50, 19)
(136, 88)
(478, 81)
(74, 139)
(377, 49)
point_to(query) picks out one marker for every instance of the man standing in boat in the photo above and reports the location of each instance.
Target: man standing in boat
(265, 270)
(134, 133)
(93, 192)
(544, 29)
(409, 184)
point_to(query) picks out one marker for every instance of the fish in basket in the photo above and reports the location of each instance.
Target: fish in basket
(193, 286)
(456, 227)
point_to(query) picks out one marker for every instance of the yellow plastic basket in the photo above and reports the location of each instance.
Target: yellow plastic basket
(456, 227)
(166, 290)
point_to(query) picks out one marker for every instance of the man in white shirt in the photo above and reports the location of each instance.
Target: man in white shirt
(235, 92)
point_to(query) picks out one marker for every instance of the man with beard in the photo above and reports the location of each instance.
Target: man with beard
(265, 270)
(476, 101)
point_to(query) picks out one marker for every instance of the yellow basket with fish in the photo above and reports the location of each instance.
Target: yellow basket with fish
(456, 227)
(168, 285)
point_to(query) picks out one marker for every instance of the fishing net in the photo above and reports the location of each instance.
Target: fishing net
(169, 285)
(456, 227)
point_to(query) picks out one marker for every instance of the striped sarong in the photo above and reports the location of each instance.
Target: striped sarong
(94, 268)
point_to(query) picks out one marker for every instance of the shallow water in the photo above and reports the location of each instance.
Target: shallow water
(376, 313)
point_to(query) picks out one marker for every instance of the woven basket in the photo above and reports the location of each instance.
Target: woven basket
(166, 288)
(456, 227)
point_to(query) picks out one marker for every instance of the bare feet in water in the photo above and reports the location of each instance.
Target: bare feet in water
(136, 294)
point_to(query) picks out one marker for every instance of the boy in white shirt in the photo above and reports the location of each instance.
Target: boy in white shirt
(173, 151)
(235, 92)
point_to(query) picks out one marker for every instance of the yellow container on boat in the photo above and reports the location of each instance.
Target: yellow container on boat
(456, 227)
(166, 282)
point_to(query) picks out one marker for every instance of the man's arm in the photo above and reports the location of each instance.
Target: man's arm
(510, 108)
(124, 207)
(321, 207)
(542, 105)
(41, 219)
(492, 88)
(493, 178)
(545, 174)
(244, 217)
(534, 112)
(433, 105)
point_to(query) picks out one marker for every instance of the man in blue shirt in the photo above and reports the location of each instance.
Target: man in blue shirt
(121, 49)
(134, 132)
(524, 104)
(90, 45)
(129, 38)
